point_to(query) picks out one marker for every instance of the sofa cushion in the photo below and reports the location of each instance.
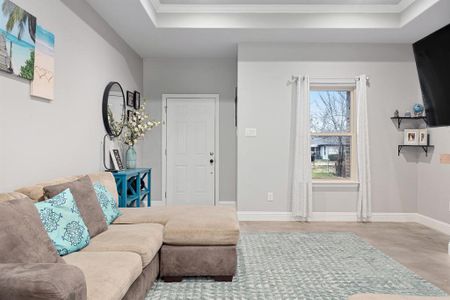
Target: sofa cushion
(63, 223)
(36, 192)
(84, 194)
(11, 196)
(107, 203)
(159, 214)
(203, 225)
(108, 181)
(38, 282)
(108, 275)
(22, 235)
(142, 239)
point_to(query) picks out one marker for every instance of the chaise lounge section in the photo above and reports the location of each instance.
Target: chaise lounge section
(140, 246)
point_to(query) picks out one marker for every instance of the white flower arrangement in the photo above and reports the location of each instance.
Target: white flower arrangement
(137, 126)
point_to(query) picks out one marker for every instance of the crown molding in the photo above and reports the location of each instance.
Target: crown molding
(161, 8)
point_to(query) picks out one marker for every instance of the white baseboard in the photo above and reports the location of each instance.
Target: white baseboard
(158, 203)
(346, 217)
(265, 216)
(433, 223)
(227, 203)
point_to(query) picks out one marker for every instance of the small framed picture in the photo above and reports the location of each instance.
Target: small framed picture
(411, 137)
(130, 98)
(130, 113)
(116, 160)
(137, 100)
(423, 137)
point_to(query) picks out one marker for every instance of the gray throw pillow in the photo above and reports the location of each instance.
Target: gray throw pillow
(86, 199)
(22, 235)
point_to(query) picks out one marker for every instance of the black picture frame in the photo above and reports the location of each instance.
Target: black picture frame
(130, 113)
(137, 100)
(130, 99)
(116, 159)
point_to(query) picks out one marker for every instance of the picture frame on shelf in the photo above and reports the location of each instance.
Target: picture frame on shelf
(411, 137)
(116, 160)
(137, 100)
(423, 137)
(130, 99)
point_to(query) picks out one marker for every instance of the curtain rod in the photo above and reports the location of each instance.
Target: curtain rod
(294, 79)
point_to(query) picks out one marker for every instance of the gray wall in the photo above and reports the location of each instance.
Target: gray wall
(433, 178)
(265, 104)
(193, 76)
(39, 139)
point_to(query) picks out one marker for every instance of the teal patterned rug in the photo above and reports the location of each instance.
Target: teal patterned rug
(303, 266)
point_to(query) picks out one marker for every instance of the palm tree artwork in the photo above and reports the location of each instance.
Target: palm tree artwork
(17, 40)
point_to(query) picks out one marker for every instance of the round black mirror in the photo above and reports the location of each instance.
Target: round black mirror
(113, 109)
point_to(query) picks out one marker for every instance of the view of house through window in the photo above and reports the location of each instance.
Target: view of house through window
(331, 134)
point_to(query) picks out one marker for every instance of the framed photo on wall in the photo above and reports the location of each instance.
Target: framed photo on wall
(137, 100)
(130, 98)
(130, 113)
(411, 137)
(116, 160)
(423, 137)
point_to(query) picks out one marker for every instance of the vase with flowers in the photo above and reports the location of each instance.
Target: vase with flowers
(137, 125)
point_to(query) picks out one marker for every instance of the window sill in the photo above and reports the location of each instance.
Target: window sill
(335, 184)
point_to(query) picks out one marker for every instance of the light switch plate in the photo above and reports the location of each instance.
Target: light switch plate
(445, 159)
(250, 131)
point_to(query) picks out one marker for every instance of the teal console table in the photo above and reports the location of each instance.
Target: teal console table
(129, 186)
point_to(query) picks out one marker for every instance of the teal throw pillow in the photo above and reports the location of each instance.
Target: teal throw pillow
(63, 223)
(107, 203)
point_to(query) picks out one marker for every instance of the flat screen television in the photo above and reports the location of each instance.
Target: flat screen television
(432, 55)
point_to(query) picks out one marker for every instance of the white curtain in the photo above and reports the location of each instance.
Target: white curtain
(301, 175)
(362, 138)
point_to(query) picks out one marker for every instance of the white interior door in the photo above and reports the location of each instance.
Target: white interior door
(191, 153)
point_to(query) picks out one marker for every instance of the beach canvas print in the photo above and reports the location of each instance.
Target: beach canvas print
(17, 40)
(44, 64)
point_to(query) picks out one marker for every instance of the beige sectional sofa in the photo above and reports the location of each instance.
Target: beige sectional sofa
(146, 243)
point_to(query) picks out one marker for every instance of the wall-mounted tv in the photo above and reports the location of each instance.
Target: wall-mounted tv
(432, 55)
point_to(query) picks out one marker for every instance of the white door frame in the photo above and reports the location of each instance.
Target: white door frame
(213, 97)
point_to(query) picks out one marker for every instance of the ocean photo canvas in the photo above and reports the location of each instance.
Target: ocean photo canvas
(17, 40)
(44, 65)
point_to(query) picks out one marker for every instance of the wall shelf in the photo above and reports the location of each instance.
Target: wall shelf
(425, 148)
(400, 119)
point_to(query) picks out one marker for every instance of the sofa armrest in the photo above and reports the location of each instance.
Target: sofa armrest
(19, 281)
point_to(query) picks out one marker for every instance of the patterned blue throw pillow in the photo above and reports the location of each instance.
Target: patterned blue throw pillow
(63, 223)
(107, 203)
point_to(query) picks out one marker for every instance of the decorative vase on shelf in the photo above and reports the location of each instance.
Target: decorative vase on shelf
(131, 157)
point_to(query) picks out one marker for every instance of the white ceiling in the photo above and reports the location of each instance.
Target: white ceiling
(161, 30)
(264, 2)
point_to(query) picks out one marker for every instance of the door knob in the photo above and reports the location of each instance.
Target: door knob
(211, 161)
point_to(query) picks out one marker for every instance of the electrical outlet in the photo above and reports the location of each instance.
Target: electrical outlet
(270, 196)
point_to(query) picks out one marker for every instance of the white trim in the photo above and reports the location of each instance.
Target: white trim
(161, 8)
(347, 217)
(157, 203)
(340, 184)
(214, 97)
(433, 223)
(227, 203)
(265, 216)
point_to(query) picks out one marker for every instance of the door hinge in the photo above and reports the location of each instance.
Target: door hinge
(165, 195)
(165, 151)
(165, 107)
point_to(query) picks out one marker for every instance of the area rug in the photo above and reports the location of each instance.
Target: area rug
(303, 266)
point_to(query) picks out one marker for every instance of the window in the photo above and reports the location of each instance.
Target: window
(332, 133)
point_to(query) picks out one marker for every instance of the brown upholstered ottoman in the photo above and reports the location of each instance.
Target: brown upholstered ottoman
(200, 242)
